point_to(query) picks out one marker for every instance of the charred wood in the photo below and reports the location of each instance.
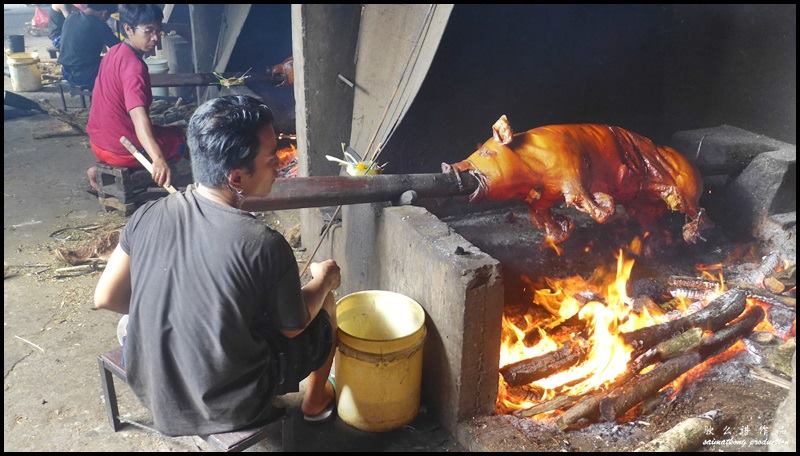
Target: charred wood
(530, 370)
(716, 314)
(635, 391)
(548, 406)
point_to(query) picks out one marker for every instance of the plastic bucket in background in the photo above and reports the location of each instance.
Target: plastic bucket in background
(158, 65)
(379, 359)
(24, 71)
(15, 43)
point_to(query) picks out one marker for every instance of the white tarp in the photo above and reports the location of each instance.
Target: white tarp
(396, 46)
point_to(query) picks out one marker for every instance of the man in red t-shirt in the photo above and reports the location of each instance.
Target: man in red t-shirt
(121, 100)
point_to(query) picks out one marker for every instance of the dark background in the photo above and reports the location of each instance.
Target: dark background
(651, 69)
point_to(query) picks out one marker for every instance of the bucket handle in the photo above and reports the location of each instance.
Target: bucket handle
(378, 359)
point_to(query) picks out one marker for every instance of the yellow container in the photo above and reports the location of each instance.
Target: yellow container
(24, 71)
(379, 359)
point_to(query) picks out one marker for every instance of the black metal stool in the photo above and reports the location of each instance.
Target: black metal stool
(73, 91)
(111, 365)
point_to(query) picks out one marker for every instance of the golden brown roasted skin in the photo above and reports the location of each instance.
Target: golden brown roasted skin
(592, 167)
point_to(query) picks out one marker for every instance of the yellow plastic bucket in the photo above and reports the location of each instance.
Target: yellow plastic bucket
(24, 71)
(379, 359)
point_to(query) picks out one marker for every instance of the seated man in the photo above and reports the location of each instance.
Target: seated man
(122, 97)
(83, 37)
(57, 14)
(218, 323)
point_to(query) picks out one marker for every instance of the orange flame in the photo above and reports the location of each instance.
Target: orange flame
(602, 303)
(554, 246)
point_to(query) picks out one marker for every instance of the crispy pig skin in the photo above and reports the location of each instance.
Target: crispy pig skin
(591, 167)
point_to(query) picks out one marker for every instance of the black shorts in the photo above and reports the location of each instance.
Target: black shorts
(296, 358)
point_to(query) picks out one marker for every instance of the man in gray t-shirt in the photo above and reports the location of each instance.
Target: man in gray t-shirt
(218, 321)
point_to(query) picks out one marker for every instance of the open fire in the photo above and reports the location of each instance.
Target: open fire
(585, 345)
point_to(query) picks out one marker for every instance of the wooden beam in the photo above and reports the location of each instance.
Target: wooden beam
(233, 20)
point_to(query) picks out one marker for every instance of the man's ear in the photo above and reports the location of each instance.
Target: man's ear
(235, 179)
(502, 132)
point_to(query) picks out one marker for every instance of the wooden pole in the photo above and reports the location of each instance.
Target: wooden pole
(146, 163)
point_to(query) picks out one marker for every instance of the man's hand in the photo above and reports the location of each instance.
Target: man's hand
(329, 272)
(161, 172)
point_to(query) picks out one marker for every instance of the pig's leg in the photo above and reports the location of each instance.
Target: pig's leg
(557, 228)
(696, 220)
(600, 206)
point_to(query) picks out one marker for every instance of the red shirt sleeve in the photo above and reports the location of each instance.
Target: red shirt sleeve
(135, 84)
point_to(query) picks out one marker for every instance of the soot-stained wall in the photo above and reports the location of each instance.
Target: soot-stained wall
(652, 69)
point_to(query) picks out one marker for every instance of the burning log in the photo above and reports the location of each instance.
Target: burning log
(691, 283)
(622, 399)
(772, 299)
(530, 370)
(681, 343)
(695, 288)
(687, 435)
(714, 316)
(548, 406)
(768, 265)
(588, 407)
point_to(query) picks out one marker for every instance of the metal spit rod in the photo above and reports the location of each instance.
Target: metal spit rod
(322, 191)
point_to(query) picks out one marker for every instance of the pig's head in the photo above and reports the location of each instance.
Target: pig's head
(496, 165)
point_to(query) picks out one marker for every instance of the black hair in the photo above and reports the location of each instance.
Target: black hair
(102, 7)
(223, 135)
(135, 14)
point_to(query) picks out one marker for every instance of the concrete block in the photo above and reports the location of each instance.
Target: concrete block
(725, 148)
(767, 186)
(461, 289)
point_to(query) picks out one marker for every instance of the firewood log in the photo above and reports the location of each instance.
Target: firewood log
(530, 370)
(687, 435)
(636, 390)
(718, 312)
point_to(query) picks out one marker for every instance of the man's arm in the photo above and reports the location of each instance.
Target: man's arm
(113, 290)
(144, 132)
(326, 277)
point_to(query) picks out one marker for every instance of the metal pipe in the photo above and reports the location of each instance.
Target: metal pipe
(321, 191)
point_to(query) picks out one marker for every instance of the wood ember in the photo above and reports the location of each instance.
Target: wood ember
(772, 299)
(774, 285)
(687, 435)
(716, 314)
(530, 370)
(654, 289)
(767, 267)
(635, 391)
(695, 288)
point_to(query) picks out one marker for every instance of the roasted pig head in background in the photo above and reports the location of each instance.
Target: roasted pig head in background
(592, 167)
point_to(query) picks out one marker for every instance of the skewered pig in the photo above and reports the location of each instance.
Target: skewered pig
(591, 167)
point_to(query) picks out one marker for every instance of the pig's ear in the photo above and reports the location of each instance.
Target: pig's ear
(501, 130)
